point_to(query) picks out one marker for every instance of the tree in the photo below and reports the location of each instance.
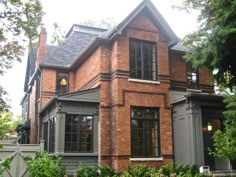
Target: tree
(213, 45)
(58, 35)
(19, 20)
(8, 125)
(106, 23)
(225, 141)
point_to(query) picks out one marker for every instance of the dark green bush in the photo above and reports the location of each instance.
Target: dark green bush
(87, 171)
(106, 171)
(44, 165)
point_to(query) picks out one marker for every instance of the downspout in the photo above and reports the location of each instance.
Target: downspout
(172, 127)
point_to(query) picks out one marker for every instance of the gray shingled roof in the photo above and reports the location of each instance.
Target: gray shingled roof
(65, 54)
(179, 47)
(77, 43)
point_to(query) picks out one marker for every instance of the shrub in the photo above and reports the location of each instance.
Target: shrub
(87, 171)
(106, 171)
(44, 165)
(136, 171)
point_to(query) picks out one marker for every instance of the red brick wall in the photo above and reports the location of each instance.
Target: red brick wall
(124, 94)
(88, 71)
(177, 67)
(48, 86)
(32, 115)
(178, 72)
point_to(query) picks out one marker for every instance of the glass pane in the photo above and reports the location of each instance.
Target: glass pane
(144, 132)
(67, 137)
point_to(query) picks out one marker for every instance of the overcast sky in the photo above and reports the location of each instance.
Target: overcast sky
(68, 12)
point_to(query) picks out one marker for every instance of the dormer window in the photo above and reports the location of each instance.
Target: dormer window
(143, 60)
(192, 77)
(62, 83)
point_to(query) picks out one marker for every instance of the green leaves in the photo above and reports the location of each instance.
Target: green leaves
(19, 21)
(213, 45)
(225, 141)
(44, 165)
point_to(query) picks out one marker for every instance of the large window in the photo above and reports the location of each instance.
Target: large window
(143, 60)
(79, 133)
(145, 132)
(62, 83)
(192, 77)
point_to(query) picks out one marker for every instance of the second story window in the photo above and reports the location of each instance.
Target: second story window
(143, 60)
(62, 83)
(192, 77)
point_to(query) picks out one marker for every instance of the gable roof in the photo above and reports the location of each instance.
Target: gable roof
(65, 54)
(156, 17)
(80, 44)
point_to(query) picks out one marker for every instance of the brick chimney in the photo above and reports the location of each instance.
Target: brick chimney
(42, 46)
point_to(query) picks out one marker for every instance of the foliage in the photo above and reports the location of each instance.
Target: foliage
(213, 44)
(87, 171)
(8, 125)
(225, 141)
(4, 165)
(94, 171)
(44, 165)
(19, 20)
(58, 35)
(136, 171)
(106, 23)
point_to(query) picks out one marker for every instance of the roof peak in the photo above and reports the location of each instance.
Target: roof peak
(85, 29)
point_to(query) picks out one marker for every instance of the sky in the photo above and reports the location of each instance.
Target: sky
(69, 12)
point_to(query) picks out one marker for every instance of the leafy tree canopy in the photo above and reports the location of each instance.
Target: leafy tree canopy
(213, 45)
(8, 125)
(19, 20)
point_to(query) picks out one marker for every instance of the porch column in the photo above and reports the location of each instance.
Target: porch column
(60, 133)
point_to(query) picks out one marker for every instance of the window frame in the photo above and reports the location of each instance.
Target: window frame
(189, 73)
(78, 134)
(142, 42)
(60, 91)
(158, 141)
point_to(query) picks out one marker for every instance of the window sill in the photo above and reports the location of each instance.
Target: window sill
(76, 154)
(146, 159)
(144, 81)
(194, 90)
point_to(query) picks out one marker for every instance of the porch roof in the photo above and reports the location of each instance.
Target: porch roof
(90, 96)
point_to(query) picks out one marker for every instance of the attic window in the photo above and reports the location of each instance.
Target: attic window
(143, 60)
(62, 83)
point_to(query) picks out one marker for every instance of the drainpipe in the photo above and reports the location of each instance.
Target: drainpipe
(172, 126)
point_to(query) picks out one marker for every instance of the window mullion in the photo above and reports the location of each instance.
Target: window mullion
(142, 61)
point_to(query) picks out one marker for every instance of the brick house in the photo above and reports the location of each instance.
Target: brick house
(107, 97)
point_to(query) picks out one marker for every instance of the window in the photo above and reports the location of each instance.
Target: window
(45, 135)
(79, 133)
(145, 132)
(143, 60)
(52, 135)
(192, 77)
(62, 83)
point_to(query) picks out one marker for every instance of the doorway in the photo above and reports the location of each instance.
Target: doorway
(212, 120)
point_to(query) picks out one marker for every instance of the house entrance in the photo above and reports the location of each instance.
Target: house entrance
(211, 122)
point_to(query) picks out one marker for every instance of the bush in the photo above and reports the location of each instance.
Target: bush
(87, 171)
(44, 165)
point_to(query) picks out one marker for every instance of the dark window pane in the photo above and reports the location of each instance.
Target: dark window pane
(144, 132)
(79, 132)
(143, 60)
